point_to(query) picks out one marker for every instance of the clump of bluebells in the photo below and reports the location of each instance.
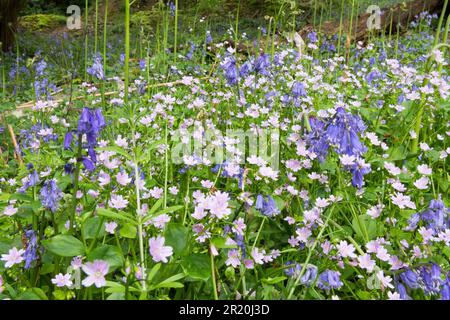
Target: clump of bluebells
(169, 195)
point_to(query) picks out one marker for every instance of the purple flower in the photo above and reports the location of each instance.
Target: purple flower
(262, 63)
(96, 70)
(329, 280)
(431, 277)
(50, 195)
(402, 292)
(410, 278)
(267, 208)
(30, 254)
(312, 37)
(230, 69)
(298, 90)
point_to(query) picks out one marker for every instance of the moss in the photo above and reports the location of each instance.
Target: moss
(41, 22)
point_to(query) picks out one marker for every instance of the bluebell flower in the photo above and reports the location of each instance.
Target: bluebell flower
(50, 195)
(410, 278)
(96, 70)
(172, 8)
(267, 208)
(402, 292)
(293, 270)
(329, 280)
(312, 37)
(209, 38)
(431, 277)
(298, 90)
(261, 64)
(245, 69)
(445, 292)
(30, 254)
(230, 69)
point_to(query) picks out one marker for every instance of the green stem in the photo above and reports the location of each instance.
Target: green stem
(175, 32)
(291, 292)
(127, 47)
(96, 27)
(76, 176)
(213, 275)
(105, 27)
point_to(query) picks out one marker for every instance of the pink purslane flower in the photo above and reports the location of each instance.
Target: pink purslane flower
(96, 272)
(62, 280)
(346, 250)
(110, 227)
(13, 257)
(218, 205)
(365, 262)
(158, 250)
(118, 202)
(10, 211)
(233, 258)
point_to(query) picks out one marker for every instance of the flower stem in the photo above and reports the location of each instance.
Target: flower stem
(213, 275)
(76, 176)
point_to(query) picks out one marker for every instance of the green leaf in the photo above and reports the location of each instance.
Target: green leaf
(365, 227)
(166, 210)
(32, 294)
(156, 206)
(110, 254)
(219, 243)
(197, 266)
(170, 282)
(65, 246)
(40, 293)
(274, 280)
(90, 227)
(21, 196)
(116, 215)
(177, 236)
(153, 272)
(128, 231)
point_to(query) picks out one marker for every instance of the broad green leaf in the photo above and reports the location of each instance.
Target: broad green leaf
(65, 246)
(197, 266)
(219, 243)
(153, 272)
(91, 226)
(128, 231)
(110, 254)
(116, 215)
(166, 210)
(171, 282)
(274, 280)
(177, 236)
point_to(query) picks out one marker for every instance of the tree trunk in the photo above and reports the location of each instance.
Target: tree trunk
(9, 12)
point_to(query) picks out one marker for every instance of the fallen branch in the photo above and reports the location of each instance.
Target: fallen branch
(16, 146)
